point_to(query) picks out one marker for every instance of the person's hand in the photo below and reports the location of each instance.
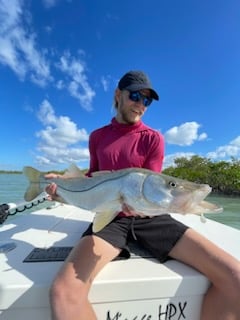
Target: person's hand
(51, 189)
(52, 175)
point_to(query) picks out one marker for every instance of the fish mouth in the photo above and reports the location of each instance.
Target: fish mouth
(193, 202)
(199, 195)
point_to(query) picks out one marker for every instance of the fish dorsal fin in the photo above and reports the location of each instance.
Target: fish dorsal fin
(101, 219)
(73, 172)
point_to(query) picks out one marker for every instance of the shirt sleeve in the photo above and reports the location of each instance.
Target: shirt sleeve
(155, 156)
(92, 145)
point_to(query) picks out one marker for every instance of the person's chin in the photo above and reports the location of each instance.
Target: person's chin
(134, 119)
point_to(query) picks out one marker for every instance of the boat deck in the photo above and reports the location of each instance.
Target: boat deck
(137, 288)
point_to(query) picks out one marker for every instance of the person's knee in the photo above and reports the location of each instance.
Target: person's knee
(56, 291)
(236, 286)
(63, 292)
(230, 287)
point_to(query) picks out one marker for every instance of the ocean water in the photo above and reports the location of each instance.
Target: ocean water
(13, 186)
(12, 189)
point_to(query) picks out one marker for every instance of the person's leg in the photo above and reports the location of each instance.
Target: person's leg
(222, 301)
(69, 291)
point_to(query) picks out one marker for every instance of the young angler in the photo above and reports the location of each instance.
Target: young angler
(128, 142)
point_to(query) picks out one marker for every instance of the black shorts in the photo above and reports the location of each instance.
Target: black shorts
(158, 234)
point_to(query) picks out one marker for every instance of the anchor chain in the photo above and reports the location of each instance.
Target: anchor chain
(6, 210)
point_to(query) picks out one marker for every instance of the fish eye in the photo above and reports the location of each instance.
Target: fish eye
(172, 184)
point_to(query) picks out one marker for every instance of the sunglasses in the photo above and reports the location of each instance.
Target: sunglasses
(136, 96)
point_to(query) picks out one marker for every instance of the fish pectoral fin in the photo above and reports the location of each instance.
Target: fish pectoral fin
(101, 219)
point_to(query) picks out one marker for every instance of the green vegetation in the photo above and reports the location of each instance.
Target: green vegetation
(9, 172)
(52, 171)
(222, 176)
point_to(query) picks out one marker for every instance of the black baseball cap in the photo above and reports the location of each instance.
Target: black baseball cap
(135, 81)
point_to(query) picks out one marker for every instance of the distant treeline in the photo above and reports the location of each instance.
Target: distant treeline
(52, 171)
(222, 176)
(9, 171)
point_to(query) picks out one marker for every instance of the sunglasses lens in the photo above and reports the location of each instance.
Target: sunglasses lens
(147, 101)
(136, 96)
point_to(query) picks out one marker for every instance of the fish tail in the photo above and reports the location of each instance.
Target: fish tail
(34, 189)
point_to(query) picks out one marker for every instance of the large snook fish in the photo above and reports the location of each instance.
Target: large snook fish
(142, 190)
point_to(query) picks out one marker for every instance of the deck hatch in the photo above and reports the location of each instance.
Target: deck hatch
(48, 254)
(61, 253)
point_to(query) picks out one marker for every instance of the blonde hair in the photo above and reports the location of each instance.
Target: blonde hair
(115, 102)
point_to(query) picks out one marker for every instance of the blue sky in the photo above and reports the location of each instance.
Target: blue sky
(60, 62)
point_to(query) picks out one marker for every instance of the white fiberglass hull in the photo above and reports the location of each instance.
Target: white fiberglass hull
(138, 288)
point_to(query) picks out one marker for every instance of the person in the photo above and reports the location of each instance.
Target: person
(128, 142)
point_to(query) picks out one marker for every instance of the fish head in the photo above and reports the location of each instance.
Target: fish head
(179, 195)
(188, 197)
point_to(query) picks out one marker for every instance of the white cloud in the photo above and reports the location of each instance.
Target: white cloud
(185, 134)
(20, 52)
(52, 3)
(202, 136)
(169, 159)
(18, 49)
(221, 153)
(78, 85)
(48, 29)
(60, 84)
(105, 82)
(49, 3)
(227, 151)
(60, 140)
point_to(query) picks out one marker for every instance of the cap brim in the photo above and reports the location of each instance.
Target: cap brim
(137, 87)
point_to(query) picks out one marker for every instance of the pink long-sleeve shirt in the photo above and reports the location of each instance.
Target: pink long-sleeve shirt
(118, 146)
